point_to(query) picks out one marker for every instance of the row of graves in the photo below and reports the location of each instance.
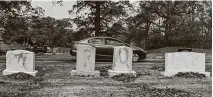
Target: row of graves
(24, 61)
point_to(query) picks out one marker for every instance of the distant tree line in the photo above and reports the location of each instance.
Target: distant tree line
(148, 24)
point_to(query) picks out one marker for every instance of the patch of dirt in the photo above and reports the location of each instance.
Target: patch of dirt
(103, 70)
(21, 76)
(158, 67)
(146, 91)
(190, 75)
(16, 94)
(126, 77)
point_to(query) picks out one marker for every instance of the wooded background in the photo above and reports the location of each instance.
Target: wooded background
(148, 24)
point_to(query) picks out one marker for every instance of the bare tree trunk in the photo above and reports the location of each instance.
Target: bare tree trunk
(167, 26)
(97, 19)
(139, 42)
(139, 39)
(146, 34)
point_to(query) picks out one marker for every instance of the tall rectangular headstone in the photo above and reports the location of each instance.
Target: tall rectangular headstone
(85, 61)
(122, 61)
(20, 61)
(184, 62)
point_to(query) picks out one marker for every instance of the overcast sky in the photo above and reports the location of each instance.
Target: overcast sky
(55, 11)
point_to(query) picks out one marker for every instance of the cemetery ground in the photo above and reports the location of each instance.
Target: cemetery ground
(54, 79)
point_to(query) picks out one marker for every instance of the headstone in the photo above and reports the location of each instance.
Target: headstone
(20, 61)
(55, 50)
(122, 61)
(85, 65)
(48, 50)
(184, 62)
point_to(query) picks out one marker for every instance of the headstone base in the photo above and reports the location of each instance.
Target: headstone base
(172, 73)
(112, 73)
(81, 73)
(6, 72)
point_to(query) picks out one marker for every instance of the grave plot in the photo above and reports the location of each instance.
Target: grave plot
(85, 65)
(20, 61)
(184, 62)
(122, 61)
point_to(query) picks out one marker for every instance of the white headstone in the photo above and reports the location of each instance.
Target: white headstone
(122, 61)
(184, 62)
(20, 61)
(85, 61)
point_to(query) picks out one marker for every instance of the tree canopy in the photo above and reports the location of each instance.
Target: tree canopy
(148, 24)
(95, 17)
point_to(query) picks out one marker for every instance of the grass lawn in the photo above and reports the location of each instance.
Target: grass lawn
(54, 80)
